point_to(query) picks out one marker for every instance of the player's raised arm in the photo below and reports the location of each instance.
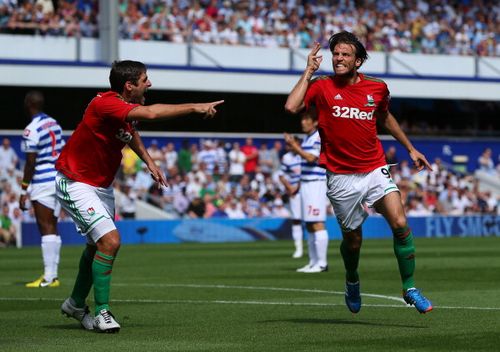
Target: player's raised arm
(295, 102)
(292, 143)
(168, 111)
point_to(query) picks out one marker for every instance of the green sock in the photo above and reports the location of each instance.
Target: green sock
(101, 272)
(351, 260)
(405, 253)
(83, 281)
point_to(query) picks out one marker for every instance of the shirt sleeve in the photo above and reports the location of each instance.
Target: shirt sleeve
(30, 139)
(113, 108)
(311, 92)
(384, 103)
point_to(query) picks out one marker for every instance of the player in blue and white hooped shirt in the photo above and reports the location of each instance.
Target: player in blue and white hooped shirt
(312, 193)
(289, 176)
(42, 142)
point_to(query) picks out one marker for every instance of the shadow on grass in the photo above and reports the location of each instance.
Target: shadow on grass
(69, 326)
(344, 322)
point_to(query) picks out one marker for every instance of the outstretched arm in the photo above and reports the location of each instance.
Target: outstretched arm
(389, 122)
(295, 102)
(168, 111)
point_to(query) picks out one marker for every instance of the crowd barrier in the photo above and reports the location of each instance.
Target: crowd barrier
(267, 229)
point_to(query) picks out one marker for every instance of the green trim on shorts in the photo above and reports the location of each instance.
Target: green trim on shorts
(71, 204)
(389, 188)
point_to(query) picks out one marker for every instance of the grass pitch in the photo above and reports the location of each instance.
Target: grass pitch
(248, 297)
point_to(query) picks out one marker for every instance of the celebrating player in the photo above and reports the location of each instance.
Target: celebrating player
(42, 142)
(312, 193)
(86, 168)
(349, 106)
(290, 178)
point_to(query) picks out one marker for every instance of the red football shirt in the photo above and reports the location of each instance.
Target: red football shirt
(347, 123)
(94, 151)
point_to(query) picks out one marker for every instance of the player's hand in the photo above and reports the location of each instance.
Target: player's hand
(419, 160)
(290, 140)
(157, 175)
(22, 202)
(313, 59)
(208, 109)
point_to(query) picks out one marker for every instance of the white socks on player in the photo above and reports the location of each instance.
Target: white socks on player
(51, 247)
(297, 237)
(321, 245)
(311, 248)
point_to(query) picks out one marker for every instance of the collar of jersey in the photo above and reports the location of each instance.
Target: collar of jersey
(40, 115)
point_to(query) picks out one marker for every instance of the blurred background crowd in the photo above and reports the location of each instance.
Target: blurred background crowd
(459, 27)
(225, 179)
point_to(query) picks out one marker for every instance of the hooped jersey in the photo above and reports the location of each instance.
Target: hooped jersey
(347, 122)
(312, 171)
(94, 151)
(43, 136)
(290, 167)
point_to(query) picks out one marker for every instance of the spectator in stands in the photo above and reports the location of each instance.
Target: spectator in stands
(8, 157)
(171, 157)
(221, 159)
(7, 228)
(265, 159)
(390, 156)
(220, 211)
(196, 208)
(486, 163)
(251, 156)
(127, 201)
(184, 158)
(156, 154)
(208, 156)
(236, 163)
(234, 211)
(142, 182)
(279, 210)
(130, 162)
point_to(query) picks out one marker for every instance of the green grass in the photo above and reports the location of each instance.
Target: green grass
(167, 299)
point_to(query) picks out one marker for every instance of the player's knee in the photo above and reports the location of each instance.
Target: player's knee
(398, 222)
(47, 227)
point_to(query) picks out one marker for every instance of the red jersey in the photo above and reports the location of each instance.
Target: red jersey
(94, 151)
(250, 164)
(347, 123)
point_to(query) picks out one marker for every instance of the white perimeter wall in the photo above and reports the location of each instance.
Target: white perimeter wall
(16, 47)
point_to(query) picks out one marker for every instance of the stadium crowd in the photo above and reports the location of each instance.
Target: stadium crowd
(459, 27)
(226, 179)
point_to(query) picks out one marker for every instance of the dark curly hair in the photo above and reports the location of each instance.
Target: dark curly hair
(349, 38)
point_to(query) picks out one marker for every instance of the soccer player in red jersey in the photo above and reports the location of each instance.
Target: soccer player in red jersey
(350, 104)
(86, 169)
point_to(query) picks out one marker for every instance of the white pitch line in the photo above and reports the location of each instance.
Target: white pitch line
(267, 303)
(263, 288)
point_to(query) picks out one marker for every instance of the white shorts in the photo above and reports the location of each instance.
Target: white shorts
(349, 193)
(313, 197)
(91, 208)
(45, 194)
(296, 206)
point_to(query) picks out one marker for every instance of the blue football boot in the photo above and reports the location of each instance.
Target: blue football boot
(352, 296)
(415, 298)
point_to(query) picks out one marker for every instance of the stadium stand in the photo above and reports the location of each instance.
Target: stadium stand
(458, 27)
(196, 191)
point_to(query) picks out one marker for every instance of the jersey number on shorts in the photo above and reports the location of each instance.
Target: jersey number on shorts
(312, 211)
(385, 172)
